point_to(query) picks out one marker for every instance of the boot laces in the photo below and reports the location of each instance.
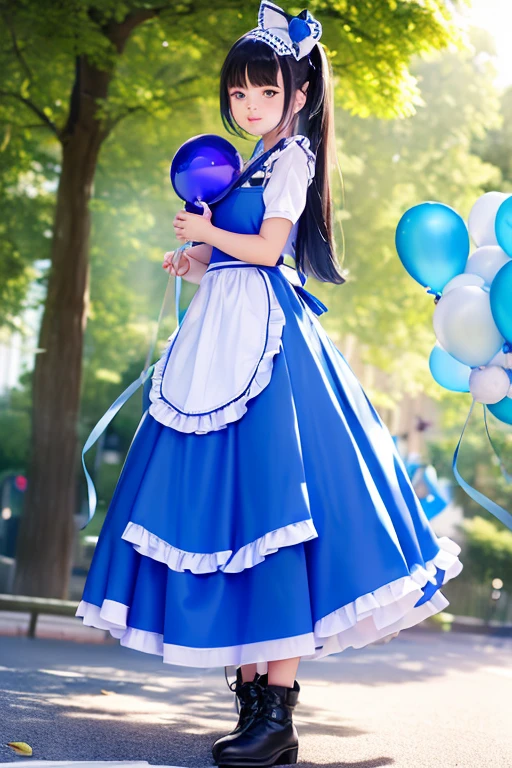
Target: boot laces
(247, 695)
(273, 707)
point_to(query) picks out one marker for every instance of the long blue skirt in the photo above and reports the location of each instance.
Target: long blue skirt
(357, 562)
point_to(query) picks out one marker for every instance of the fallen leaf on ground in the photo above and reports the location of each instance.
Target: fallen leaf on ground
(20, 747)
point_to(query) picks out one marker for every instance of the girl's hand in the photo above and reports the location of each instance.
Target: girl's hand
(183, 265)
(192, 226)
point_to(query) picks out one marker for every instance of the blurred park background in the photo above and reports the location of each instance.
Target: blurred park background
(95, 99)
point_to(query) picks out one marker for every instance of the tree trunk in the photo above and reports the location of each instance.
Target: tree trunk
(45, 542)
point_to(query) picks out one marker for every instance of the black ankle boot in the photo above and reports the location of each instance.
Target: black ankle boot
(268, 739)
(248, 697)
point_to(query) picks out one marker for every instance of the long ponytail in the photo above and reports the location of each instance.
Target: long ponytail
(315, 252)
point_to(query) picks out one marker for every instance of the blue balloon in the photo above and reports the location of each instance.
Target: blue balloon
(447, 371)
(503, 226)
(203, 168)
(501, 301)
(502, 410)
(432, 242)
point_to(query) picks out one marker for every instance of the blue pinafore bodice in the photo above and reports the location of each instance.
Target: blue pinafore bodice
(241, 208)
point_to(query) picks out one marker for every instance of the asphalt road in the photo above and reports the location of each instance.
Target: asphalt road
(425, 700)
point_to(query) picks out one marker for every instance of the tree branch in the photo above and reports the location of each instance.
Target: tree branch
(356, 30)
(32, 125)
(142, 108)
(30, 105)
(129, 111)
(119, 32)
(74, 100)
(16, 49)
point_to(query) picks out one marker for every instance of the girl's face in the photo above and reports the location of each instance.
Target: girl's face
(258, 109)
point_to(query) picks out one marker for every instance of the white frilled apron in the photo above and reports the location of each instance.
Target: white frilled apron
(221, 355)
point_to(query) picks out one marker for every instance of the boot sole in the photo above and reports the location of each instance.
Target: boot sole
(288, 757)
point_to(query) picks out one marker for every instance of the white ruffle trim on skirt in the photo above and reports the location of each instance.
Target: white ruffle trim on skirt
(386, 602)
(222, 354)
(370, 618)
(150, 545)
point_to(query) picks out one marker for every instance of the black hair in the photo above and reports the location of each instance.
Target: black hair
(315, 249)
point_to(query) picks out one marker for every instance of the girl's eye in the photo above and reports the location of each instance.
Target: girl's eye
(270, 91)
(236, 93)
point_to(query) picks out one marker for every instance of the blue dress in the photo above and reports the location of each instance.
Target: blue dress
(263, 511)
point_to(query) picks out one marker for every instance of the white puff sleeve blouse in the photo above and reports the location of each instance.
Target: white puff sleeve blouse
(291, 172)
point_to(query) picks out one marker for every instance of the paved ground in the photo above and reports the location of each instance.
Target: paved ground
(425, 700)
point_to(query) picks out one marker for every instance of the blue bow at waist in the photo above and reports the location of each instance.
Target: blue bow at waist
(291, 274)
(313, 303)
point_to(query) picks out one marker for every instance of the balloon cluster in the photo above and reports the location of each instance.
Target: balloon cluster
(473, 314)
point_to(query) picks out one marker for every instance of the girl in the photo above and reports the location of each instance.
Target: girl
(263, 514)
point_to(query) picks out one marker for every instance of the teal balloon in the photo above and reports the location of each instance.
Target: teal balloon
(503, 226)
(447, 371)
(501, 301)
(502, 410)
(432, 242)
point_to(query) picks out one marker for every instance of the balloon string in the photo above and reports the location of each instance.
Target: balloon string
(152, 345)
(104, 421)
(491, 506)
(506, 475)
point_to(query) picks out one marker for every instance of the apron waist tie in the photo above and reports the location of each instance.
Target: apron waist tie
(297, 280)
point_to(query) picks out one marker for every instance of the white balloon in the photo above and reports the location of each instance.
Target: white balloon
(482, 217)
(487, 262)
(459, 280)
(489, 385)
(464, 326)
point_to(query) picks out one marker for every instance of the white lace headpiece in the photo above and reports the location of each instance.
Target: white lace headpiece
(286, 34)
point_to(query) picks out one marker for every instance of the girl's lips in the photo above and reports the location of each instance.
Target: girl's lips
(253, 119)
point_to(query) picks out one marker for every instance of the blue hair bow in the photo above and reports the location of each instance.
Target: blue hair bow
(286, 34)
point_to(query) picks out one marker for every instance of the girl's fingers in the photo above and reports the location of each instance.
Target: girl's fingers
(183, 266)
(167, 262)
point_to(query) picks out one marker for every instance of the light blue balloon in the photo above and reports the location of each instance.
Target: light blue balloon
(503, 226)
(502, 410)
(501, 301)
(432, 242)
(447, 371)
